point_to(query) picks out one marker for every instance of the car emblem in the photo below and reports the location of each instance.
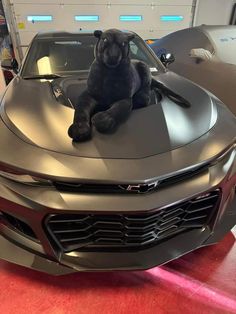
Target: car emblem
(140, 188)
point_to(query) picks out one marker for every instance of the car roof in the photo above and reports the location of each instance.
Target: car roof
(63, 34)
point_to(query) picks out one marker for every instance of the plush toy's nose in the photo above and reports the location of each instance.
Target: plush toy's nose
(114, 53)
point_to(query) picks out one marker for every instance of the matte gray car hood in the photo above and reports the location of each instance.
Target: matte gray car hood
(31, 111)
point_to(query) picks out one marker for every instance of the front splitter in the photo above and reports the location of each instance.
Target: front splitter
(15, 254)
(106, 261)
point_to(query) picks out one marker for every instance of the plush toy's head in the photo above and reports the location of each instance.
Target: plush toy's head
(112, 47)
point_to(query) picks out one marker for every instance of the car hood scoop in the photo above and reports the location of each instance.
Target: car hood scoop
(32, 112)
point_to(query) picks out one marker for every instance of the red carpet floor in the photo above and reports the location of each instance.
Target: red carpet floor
(201, 282)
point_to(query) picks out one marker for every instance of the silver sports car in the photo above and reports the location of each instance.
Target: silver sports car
(161, 186)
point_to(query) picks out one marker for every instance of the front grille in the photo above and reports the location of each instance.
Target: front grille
(124, 188)
(120, 231)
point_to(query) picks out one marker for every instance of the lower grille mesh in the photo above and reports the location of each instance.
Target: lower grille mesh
(76, 231)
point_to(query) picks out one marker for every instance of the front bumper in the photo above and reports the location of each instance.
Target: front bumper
(144, 259)
(28, 205)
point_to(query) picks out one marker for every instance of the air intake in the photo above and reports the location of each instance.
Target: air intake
(18, 225)
(122, 189)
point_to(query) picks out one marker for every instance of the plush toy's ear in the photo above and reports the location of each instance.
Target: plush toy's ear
(130, 37)
(98, 34)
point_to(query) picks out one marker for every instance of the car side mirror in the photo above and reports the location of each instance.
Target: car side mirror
(167, 59)
(10, 65)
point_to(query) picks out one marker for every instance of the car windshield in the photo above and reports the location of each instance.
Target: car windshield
(73, 55)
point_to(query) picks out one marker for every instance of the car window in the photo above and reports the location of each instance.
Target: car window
(68, 56)
(136, 52)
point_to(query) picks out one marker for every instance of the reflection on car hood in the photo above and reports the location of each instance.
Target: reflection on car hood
(32, 112)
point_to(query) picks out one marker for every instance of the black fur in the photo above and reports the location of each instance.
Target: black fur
(115, 85)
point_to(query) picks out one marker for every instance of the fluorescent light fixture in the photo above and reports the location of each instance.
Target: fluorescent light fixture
(39, 18)
(131, 18)
(171, 18)
(87, 18)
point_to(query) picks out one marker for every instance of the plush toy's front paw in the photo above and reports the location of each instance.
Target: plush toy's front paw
(80, 132)
(104, 122)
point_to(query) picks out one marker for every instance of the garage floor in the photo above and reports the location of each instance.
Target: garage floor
(200, 282)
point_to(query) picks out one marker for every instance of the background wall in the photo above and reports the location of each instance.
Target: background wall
(109, 11)
(213, 12)
(193, 12)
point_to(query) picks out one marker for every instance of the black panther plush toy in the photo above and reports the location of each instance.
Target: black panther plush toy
(115, 85)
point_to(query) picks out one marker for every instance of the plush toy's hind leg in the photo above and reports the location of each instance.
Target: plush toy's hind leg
(80, 130)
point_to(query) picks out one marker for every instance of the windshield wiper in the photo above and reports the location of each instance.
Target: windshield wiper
(42, 76)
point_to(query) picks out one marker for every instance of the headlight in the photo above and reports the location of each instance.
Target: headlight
(19, 177)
